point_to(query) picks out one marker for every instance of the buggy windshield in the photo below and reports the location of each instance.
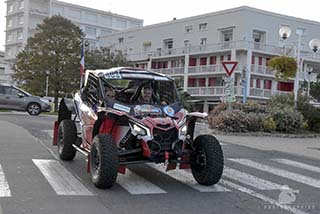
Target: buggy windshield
(128, 91)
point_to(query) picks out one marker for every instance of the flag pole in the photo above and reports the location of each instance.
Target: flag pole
(82, 64)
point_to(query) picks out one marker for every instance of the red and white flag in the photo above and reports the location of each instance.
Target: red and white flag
(82, 62)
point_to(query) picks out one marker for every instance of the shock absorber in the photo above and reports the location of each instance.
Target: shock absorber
(126, 140)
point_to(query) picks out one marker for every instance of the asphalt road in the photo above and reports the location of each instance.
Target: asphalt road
(33, 180)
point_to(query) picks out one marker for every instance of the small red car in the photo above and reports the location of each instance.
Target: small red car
(111, 124)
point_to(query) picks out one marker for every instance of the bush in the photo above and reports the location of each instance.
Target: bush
(287, 119)
(285, 66)
(268, 124)
(236, 121)
(281, 101)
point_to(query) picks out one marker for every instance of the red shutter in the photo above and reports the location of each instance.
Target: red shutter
(229, 57)
(173, 64)
(267, 84)
(260, 60)
(251, 83)
(258, 85)
(212, 81)
(192, 61)
(213, 60)
(221, 58)
(153, 65)
(203, 60)
(191, 82)
(202, 82)
(252, 60)
(165, 64)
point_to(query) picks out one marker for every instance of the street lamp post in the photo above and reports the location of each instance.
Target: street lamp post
(309, 69)
(47, 82)
(314, 44)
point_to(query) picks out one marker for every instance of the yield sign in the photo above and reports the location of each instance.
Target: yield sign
(229, 66)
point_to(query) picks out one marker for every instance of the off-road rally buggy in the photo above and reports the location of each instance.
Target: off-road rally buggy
(116, 131)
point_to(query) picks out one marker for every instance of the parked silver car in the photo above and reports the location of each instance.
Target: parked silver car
(13, 98)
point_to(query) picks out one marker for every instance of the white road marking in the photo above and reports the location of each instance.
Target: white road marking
(61, 180)
(49, 132)
(298, 165)
(186, 177)
(262, 197)
(251, 180)
(137, 185)
(4, 186)
(279, 172)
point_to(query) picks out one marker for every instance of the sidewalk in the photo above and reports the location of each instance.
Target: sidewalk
(306, 147)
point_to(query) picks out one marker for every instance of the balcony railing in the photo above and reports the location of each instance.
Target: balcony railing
(212, 91)
(258, 92)
(260, 69)
(170, 71)
(241, 44)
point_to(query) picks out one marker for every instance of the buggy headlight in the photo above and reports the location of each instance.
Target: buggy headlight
(183, 129)
(140, 130)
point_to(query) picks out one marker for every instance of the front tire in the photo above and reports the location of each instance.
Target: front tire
(67, 135)
(104, 161)
(207, 160)
(34, 109)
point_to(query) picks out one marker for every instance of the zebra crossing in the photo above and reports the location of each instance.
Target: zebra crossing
(235, 179)
(65, 183)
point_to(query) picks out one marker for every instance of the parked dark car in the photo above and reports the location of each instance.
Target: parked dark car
(13, 98)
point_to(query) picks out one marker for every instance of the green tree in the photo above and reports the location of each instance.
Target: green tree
(315, 89)
(53, 50)
(104, 58)
(285, 66)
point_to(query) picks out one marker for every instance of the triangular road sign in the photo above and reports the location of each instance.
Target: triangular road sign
(229, 66)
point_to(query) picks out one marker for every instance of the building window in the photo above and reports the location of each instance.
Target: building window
(20, 35)
(10, 7)
(258, 36)
(147, 46)
(168, 43)
(1, 71)
(121, 39)
(188, 29)
(227, 35)
(90, 31)
(9, 37)
(203, 26)
(21, 5)
(9, 23)
(203, 41)
(9, 52)
(20, 20)
(300, 31)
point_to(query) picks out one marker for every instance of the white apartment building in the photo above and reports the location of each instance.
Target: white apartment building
(192, 50)
(3, 76)
(24, 15)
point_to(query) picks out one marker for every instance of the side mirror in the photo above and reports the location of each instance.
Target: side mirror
(20, 95)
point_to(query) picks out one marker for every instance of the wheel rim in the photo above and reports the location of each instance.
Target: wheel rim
(33, 109)
(60, 140)
(95, 162)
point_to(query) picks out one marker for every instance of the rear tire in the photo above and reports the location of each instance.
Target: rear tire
(207, 160)
(34, 109)
(67, 135)
(104, 161)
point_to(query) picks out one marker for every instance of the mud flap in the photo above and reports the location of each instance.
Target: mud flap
(55, 133)
(122, 169)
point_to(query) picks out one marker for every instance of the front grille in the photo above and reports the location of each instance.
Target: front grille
(165, 138)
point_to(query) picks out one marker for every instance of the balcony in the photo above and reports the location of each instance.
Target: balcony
(209, 48)
(212, 91)
(258, 92)
(260, 69)
(176, 71)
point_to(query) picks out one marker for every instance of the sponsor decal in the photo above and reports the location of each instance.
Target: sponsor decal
(169, 111)
(121, 107)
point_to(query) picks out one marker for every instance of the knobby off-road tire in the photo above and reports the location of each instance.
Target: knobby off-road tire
(104, 161)
(67, 135)
(207, 160)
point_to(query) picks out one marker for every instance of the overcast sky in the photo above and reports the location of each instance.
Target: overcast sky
(165, 10)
